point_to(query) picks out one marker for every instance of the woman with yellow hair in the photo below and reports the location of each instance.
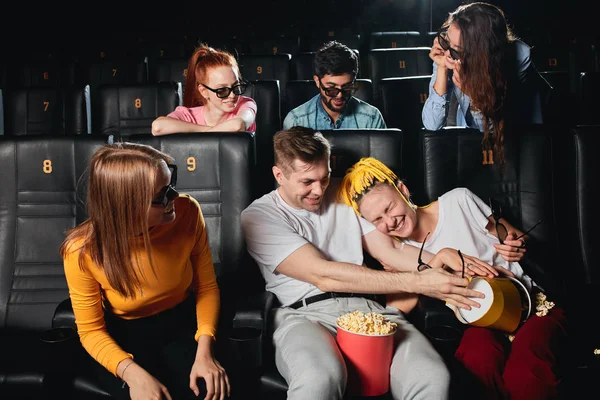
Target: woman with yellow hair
(523, 369)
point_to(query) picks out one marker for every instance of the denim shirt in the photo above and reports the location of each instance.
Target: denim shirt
(356, 115)
(526, 107)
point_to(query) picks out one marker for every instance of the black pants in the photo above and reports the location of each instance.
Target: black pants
(162, 344)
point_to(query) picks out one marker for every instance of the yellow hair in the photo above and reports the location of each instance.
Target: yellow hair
(362, 176)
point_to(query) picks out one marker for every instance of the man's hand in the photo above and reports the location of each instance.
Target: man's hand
(441, 284)
(473, 266)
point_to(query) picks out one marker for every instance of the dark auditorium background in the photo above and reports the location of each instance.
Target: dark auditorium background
(552, 172)
(56, 26)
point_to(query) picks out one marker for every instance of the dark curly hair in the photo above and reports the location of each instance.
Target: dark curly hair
(335, 58)
(485, 66)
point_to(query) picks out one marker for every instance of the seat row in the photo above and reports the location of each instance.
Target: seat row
(130, 108)
(377, 64)
(44, 195)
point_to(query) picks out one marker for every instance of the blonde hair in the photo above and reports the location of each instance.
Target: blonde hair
(363, 176)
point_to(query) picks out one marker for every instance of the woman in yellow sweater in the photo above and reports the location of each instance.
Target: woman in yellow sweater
(142, 281)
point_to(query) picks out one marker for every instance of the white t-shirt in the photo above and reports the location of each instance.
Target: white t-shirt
(461, 225)
(274, 230)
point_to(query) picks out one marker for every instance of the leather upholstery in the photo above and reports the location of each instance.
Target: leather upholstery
(43, 197)
(268, 121)
(130, 109)
(401, 104)
(170, 70)
(303, 64)
(583, 276)
(108, 71)
(47, 111)
(394, 39)
(589, 84)
(402, 101)
(267, 66)
(287, 44)
(37, 73)
(38, 203)
(313, 40)
(559, 100)
(398, 62)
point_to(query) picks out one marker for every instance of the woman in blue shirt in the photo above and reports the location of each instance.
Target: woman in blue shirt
(483, 76)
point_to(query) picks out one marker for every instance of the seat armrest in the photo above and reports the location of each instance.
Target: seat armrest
(252, 311)
(434, 319)
(246, 347)
(64, 316)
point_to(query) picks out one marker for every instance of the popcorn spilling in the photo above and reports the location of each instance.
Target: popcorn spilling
(366, 323)
(542, 306)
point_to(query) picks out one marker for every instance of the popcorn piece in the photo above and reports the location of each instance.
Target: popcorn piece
(366, 323)
(542, 305)
(596, 351)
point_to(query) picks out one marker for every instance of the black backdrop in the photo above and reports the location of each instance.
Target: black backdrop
(35, 25)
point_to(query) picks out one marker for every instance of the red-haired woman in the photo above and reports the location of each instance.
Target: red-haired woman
(212, 97)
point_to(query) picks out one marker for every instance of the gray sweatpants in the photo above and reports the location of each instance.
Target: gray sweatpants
(309, 359)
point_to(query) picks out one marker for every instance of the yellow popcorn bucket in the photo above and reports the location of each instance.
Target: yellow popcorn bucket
(368, 358)
(507, 304)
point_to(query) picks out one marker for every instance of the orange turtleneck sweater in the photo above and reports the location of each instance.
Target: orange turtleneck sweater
(182, 260)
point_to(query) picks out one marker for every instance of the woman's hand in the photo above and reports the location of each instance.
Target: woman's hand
(143, 386)
(214, 375)
(513, 249)
(473, 266)
(437, 54)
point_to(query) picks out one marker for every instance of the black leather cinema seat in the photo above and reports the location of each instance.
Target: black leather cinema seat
(394, 39)
(348, 147)
(274, 44)
(587, 102)
(216, 169)
(256, 67)
(398, 62)
(524, 187)
(47, 111)
(38, 202)
(47, 72)
(169, 70)
(130, 109)
(107, 70)
(402, 101)
(401, 104)
(268, 121)
(303, 65)
(581, 266)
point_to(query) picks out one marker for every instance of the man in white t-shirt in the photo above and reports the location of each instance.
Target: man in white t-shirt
(309, 249)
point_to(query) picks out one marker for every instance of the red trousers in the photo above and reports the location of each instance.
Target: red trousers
(527, 368)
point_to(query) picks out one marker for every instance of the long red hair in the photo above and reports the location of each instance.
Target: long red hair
(202, 59)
